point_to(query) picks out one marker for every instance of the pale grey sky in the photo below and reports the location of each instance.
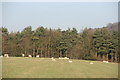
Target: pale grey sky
(18, 15)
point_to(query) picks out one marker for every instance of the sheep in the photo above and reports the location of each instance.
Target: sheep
(37, 55)
(63, 58)
(70, 61)
(1, 56)
(91, 62)
(6, 55)
(29, 56)
(105, 61)
(53, 60)
(66, 58)
(23, 55)
(60, 58)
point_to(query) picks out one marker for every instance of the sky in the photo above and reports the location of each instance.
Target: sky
(18, 15)
(0, 14)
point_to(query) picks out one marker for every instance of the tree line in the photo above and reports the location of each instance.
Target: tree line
(89, 44)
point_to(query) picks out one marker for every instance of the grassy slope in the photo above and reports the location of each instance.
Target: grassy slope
(46, 68)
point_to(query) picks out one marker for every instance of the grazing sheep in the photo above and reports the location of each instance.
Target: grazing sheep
(37, 56)
(105, 61)
(60, 58)
(66, 58)
(70, 61)
(29, 56)
(53, 60)
(91, 62)
(23, 55)
(63, 58)
(1, 56)
(6, 55)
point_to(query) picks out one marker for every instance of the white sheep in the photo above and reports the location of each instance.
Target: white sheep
(53, 60)
(60, 58)
(70, 61)
(105, 61)
(6, 55)
(1, 56)
(23, 55)
(37, 56)
(29, 56)
(91, 62)
(66, 58)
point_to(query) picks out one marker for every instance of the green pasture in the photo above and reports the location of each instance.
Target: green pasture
(19, 67)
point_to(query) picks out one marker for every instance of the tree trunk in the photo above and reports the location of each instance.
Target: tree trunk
(115, 57)
(41, 52)
(112, 58)
(60, 54)
(25, 52)
(37, 51)
(107, 57)
(103, 57)
(33, 52)
(48, 51)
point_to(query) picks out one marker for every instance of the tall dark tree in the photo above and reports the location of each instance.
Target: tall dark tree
(90, 44)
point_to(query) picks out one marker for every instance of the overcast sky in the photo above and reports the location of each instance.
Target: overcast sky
(18, 15)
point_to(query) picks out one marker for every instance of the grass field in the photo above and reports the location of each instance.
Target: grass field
(46, 68)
